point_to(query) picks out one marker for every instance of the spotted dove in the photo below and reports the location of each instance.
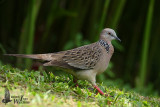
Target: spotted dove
(84, 62)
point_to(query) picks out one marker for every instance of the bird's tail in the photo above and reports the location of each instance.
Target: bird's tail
(46, 57)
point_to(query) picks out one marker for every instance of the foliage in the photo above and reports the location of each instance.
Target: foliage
(46, 89)
(27, 36)
(145, 45)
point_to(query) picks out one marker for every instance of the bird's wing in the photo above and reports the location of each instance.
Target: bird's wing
(85, 57)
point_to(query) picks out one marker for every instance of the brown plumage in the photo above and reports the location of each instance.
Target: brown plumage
(86, 61)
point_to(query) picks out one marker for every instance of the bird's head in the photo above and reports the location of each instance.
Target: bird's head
(109, 34)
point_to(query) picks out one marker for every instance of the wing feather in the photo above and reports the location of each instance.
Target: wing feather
(85, 57)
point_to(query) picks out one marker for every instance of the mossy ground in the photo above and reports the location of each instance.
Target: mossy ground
(45, 89)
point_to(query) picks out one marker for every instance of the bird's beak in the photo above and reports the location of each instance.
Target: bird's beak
(117, 38)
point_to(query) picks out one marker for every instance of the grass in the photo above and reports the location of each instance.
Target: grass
(45, 89)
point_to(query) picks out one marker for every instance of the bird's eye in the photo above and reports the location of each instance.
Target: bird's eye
(109, 33)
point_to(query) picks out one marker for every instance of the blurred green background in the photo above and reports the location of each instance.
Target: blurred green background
(45, 26)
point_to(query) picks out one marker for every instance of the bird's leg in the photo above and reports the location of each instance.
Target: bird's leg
(98, 89)
(75, 81)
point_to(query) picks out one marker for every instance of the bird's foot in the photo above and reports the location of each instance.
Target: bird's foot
(107, 95)
(99, 90)
(75, 82)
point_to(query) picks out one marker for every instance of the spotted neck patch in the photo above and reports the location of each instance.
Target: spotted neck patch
(104, 44)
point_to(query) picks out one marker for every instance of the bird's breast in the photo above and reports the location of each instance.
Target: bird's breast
(104, 60)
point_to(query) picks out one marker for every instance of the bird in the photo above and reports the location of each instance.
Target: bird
(84, 62)
(6, 96)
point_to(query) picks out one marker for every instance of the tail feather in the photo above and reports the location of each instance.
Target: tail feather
(46, 57)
